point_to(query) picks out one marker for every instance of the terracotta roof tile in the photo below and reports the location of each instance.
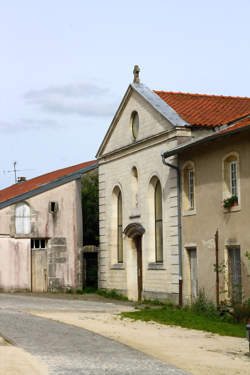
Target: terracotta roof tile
(34, 183)
(239, 124)
(206, 110)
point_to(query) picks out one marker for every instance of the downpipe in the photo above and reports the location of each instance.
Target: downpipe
(177, 169)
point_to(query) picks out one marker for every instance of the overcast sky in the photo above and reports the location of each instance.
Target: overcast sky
(66, 64)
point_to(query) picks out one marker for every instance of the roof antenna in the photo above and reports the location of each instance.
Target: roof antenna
(136, 72)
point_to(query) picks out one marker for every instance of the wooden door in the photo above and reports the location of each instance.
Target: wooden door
(234, 269)
(193, 274)
(90, 271)
(39, 270)
(139, 267)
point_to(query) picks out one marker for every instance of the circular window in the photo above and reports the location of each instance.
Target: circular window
(135, 124)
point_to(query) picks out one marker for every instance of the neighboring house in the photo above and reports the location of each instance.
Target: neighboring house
(140, 229)
(41, 231)
(215, 173)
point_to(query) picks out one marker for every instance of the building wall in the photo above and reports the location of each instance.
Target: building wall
(209, 215)
(115, 170)
(63, 231)
(15, 264)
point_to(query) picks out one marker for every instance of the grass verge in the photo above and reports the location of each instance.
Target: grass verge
(187, 319)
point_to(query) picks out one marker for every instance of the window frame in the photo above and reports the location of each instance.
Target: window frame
(233, 174)
(191, 188)
(22, 219)
(119, 228)
(135, 124)
(188, 188)
(229, 188)
(158, 224)
(33, 243)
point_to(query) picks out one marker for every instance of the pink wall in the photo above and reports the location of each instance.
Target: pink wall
(15, 270)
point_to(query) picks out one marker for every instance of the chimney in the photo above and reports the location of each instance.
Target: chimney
(21, 179)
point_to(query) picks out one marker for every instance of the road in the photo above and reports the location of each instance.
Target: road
(69, 350)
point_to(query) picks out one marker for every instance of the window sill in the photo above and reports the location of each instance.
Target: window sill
(156, 266)
(117, 266)
(189, 212)
(232, 209)
(28, 236)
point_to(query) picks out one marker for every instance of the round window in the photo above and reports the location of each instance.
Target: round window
(135, 124)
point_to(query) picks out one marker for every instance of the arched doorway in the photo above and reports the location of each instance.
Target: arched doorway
(135, 231)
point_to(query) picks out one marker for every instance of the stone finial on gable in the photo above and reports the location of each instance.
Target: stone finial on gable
(136, 72)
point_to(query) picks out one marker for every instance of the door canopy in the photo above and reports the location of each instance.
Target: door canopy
(134, 230)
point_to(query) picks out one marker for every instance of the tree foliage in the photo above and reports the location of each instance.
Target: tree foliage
(90, 209)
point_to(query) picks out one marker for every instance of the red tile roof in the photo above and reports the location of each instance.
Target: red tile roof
(36, 182)
(239, 124)
(206, 110)
(243, 125)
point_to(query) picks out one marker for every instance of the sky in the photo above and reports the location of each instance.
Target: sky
(66, 64)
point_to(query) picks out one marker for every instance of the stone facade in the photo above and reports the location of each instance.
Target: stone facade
(131, 166)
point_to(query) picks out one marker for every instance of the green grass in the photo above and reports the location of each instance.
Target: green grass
(111, 294)
(187, 319)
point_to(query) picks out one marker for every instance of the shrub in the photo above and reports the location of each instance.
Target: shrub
(79, 291)
(241, 312)
(203, 306)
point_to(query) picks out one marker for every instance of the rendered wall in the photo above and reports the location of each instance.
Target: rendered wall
(62, 230)
(15, 264)
(232, 224)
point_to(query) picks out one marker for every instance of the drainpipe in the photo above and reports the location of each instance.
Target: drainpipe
(217, 268)
(179, 224)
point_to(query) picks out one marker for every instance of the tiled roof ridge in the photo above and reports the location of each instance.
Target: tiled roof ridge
(48, 174)
(201, 95)
(38, 182)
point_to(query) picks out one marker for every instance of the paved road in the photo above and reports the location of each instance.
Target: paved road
(69, 350)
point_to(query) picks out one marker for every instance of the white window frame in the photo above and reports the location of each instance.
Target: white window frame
(188, 188)
(38, 241)
(22, 218)
(231, 184)
(191, 188)
(233, 171)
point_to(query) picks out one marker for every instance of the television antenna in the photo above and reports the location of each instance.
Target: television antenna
(14, 170)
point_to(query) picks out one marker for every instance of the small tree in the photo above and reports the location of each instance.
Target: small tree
(90, 209)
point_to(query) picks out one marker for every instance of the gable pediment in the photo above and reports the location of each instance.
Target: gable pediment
(155, 117)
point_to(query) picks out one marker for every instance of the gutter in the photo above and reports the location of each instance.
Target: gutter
(179, 224)
(200, 141)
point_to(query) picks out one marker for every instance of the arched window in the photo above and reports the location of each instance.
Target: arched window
(158, 223)
(135, 124)
(22, 218)
(189, 187)
(231, 176)
(134, 188)
(119, 228)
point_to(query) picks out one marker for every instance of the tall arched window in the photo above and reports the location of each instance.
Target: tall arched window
(134, 188)
(22, 218)
(158, 223)
(231, 176)
(119, 228)
(189, 187)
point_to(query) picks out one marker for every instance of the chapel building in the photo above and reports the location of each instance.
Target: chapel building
(147, 194)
